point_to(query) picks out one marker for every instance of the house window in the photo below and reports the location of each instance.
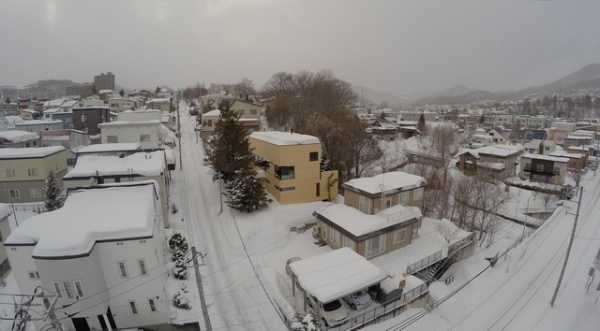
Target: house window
(112, 139)
(318, 189)
(122, 269)
(388, 203)
(32, 172)
(419, 194)
(540, 168)
(349, 243)
(253, 111)
(142, 264)
(241, 111)
(133, 307)
(364, 204)
(14, 193)
(209, 123)
(284, 173)
(10, 173)
(375, 246)
(84, 118)
(404, 196)
(313, 156)
(33, 275)
(556, 170)
(35, 192)
(144, 138)
(334, 235)
(69, 290)
(58, 289)
(527, 166)
(79, 289)
(152, 305)
(399, 236)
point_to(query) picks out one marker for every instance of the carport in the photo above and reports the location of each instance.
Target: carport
(333, 275)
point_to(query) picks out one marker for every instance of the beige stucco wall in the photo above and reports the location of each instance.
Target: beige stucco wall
(249, 110)
(307, 174)
(351, 199)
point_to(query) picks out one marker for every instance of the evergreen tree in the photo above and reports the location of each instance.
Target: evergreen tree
(180, 271)
(121, 93)
(229, 150)
(245, 192)
(53, 189)
(157, 90)
(421, 123)
(7, 101)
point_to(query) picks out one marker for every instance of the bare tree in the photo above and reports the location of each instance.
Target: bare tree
(448, 230)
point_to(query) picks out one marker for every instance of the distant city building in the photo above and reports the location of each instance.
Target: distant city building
(80, 89)
(105, 81)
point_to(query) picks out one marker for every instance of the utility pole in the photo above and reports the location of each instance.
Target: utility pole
(179, 130)
(220, 192)
(562, 272)
(50, 311)
(201, 290)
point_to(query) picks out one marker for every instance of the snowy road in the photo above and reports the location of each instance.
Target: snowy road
(234, 297)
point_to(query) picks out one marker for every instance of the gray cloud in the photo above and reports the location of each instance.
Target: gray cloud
(396, 46)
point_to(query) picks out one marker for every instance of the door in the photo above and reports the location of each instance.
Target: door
(80, 324)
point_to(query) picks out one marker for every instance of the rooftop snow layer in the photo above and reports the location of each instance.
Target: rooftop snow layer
(214, 112)
(336, 274)
(125, 123)
(19, 153)
(546, 157)
(125, 212)
(497, 150)
(390, 180)
(285, 138)
(359, 223)
(18, 136)
(141, 163)
(99, 148)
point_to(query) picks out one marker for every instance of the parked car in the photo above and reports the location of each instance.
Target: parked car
(287, 264)
(566, 192)
(358, 300)
(333, 313)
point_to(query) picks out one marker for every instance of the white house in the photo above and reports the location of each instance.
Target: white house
(480, 138)
(5, 212)
(147, 133)
(101, 253)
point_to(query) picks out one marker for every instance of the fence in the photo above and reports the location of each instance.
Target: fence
(33, 207)
(459, 244)
(372, 315)
(424, 263)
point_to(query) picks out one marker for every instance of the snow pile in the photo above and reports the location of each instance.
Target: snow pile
(17, 136)
(141, 163)
(387, 181)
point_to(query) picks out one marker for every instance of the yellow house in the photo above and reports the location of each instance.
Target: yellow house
(292, 167)
(23, 171)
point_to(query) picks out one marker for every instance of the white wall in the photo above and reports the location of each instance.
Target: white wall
(131, 133)
(140, 115)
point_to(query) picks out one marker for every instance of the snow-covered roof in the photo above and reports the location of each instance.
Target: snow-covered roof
(126, 211)
(5, 211)
(51, 110)
(35, 122)
(54, 103)
(566, 154)
(359, 223)
(158, 100)
(120, 147)
(545, 157)
(69, 103)
(336, 274)
(129, 123)
(214, 112)
(170, 155)
(496, 150)
(284, 138)
(14, 119)
(27, 153)
(391, 181)
(141, 163)
(18, 136)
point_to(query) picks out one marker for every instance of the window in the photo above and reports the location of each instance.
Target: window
(388, 203)
(241, 111)
(14, 193)
(58, 289)
(284, 173)
(152, 305)
(318, 189)
(209, 123)
(112, 139)
(133, 307)
(314, 156)
(83, 118)
(349, 243)
(35, 192)
(142, 264)
(527, 166)
(122, 269)
(10, 173)
(69, 290)
(540, 168)
(33, 275)
(556, 170)
(144, 138)
(84, 129)
(419, 194)
(79, 289)
(253, 111)
(375, 246)
(334, 235)
(404, 196)
(364, 204)
(399, 236)
(32, 172)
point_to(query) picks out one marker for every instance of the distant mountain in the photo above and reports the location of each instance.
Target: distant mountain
(458, 94)
(585, 78)
(377, 97)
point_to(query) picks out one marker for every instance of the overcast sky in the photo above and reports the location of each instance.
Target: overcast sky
(393, 46)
